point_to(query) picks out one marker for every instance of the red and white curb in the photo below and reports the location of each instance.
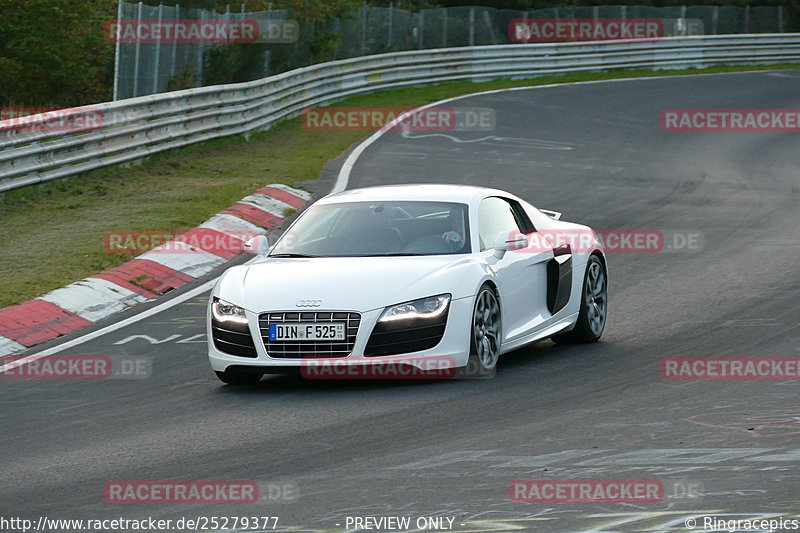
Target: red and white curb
(147, 276)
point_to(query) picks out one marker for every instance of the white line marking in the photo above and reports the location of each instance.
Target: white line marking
(148, 338)
(510, 141)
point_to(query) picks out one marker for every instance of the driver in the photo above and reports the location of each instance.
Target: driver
(454, 235)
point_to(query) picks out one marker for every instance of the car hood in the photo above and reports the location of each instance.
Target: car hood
(344, 283)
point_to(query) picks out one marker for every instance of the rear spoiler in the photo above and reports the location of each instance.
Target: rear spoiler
(555, 215)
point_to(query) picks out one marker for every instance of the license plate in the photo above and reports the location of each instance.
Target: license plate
(307, 331)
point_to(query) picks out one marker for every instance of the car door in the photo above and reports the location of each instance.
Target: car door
(522, 274)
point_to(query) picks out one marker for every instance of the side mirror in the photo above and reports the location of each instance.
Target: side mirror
(258, 245)
(509, 240)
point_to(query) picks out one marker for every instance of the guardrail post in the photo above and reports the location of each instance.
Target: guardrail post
(444, 27)
(174, 45)
(198, 77)
(472, 26)
(158, 54)
(364, 28)
(714, 20)
(682, 24)
(747, 19)
(489, 26)
(391, 12)
(136, 56)
(116, 51)
(421, 27)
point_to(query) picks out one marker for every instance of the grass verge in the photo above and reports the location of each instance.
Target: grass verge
(52, 234)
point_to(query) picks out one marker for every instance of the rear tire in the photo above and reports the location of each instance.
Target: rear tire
(594, 307)
(233, 376)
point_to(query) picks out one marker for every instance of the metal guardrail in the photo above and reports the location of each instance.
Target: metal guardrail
(135, 128)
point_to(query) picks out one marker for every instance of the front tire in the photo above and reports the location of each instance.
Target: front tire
(485, 331)
(594, 307)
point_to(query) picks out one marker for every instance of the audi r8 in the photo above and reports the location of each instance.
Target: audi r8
(408, 273)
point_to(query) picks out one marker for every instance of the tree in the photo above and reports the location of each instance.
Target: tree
(53, 53)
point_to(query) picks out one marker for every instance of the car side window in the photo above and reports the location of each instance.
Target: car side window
(523, 220)
(495, 215)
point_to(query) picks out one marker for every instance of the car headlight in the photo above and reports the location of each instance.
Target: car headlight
(227, 312)
(424, 308)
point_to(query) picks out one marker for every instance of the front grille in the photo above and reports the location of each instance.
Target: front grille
(295, 349)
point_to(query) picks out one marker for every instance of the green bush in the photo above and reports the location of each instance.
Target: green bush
(54, 53)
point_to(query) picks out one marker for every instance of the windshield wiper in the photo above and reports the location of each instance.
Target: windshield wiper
(292, 255)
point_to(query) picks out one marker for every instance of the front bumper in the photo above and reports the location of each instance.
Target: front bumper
(454, 346)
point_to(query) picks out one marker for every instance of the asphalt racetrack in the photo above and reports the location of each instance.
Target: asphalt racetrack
(323, 451)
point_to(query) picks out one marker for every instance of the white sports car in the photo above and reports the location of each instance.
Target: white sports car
(408, 273)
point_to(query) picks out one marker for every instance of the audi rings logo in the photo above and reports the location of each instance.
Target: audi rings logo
(308, 303)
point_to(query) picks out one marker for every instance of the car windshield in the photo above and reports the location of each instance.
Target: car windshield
(360, 229)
